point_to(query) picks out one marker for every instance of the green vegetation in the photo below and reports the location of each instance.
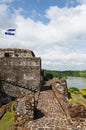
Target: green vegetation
(48, 74)
(76, 96)
(83, 91)
(13, 106)
(7, 122)
(73, 90)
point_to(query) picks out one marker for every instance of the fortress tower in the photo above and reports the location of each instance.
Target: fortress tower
(20, 71)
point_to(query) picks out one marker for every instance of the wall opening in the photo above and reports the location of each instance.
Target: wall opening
(6, 54)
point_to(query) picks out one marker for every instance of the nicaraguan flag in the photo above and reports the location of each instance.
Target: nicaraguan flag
(10, 32)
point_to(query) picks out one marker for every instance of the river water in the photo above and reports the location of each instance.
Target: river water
(77, 82)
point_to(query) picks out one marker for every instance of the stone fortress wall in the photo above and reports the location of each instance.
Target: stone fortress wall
(19, 68)
(20, 79)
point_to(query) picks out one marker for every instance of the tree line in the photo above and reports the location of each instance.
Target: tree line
(49, 74)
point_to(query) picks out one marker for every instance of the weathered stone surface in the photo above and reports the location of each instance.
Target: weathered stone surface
(54, 114)
(9, 52)
(60, 84)
(2, 111)
(19, 70)
(53, 118)
(24, 110)
(77, 110)
(62, 100)
(20, 77)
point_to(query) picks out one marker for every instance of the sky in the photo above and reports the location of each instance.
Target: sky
(54, 30)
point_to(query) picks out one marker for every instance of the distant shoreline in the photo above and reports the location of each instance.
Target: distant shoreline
(65, 74)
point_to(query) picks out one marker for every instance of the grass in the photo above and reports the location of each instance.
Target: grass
(7, 122)
(78, 98)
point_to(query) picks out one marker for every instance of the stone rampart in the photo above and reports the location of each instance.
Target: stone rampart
(20, 79)
(19, 69)
(11, 52)
(60, 84)
(59, 88)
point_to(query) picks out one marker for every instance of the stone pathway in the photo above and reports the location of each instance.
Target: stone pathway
(54, 118)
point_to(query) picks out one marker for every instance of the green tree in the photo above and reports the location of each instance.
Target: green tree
(49, 76)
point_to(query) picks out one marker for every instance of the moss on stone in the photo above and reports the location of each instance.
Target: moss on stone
(7, 122)
(13, 106)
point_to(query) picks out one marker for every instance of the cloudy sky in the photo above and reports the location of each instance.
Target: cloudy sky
(54, 29)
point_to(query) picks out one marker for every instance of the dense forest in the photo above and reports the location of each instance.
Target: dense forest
(49, 74)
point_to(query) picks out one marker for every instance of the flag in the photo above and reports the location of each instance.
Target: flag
(10, 32)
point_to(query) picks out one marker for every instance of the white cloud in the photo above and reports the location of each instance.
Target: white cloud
(6, 1)
(73, 3)
(3, 9)
(82, 1)
(5, 20)
(53, 42)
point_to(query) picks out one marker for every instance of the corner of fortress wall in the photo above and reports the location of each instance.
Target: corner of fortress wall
(19, 68)
(20, 71)
(20, 77)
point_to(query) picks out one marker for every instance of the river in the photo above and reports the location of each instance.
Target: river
(77, 82)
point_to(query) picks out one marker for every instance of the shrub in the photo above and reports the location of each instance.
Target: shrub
(49, 76)
(73, 90)
(83, 91)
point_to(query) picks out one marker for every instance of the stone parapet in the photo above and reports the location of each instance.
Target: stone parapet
(59, 84)
(59, 88)
(15, 52)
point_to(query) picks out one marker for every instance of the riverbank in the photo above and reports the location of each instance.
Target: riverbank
(78, 82)
(64, 74)
(73, 78)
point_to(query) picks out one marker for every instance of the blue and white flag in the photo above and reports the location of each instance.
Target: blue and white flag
(10, 32)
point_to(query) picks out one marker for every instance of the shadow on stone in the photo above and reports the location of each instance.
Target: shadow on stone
(38, 114)
(45, 88)
(5, 99)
